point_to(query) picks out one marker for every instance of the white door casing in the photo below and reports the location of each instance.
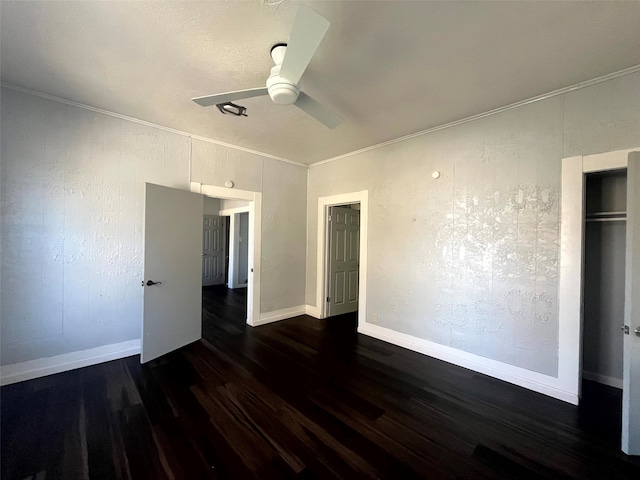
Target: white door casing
(213, 250)
(361, 197)
(343, 255)
(631, 361)
(570, 283)
(255, 239)
(570, 304)
(172, 308)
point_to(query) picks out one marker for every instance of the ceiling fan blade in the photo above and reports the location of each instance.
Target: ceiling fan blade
(209, 100)
(318, 111)
(307, 33)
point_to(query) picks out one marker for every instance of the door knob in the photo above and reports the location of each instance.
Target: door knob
(637, 330)
(151, 282)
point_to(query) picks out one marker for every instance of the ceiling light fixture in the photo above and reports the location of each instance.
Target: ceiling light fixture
(232, 108)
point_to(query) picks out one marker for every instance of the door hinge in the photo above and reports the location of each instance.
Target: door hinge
(329, 217)
(328, 299)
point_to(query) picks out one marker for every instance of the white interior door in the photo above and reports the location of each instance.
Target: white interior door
(213, 250)
(172, 304)
(631, 362)
(344, 255)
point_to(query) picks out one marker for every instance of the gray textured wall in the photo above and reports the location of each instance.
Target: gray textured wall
(243, 251)
(283, 188)
(471, 260)
(211, 206)
(72, 201)
(71, 231)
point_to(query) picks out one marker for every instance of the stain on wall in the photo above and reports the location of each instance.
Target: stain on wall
(471, 260)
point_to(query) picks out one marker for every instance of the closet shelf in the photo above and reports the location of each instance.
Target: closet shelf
(606, 217)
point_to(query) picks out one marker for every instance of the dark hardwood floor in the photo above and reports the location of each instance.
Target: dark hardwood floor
(300, 398)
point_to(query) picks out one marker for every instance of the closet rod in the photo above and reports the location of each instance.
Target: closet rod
(619, 213)
(607, 219)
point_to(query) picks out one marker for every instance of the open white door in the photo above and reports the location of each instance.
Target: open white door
(344, 256)
(172, 305)
(631, 366)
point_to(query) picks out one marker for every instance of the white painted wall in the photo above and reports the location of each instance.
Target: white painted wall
(72, 195)
(212, 206)
(283, 186)
(470, 260)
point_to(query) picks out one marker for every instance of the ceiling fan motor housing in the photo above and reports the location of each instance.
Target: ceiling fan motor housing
(281, 90)
(283, 86)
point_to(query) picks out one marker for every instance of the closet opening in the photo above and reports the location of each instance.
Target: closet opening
(603, 292)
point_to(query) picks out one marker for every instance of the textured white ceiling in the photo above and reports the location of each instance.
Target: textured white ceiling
(389, 68)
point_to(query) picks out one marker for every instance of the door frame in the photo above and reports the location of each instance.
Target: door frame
(255, 239)
(232, 280)
(571, 269)
(322, 261)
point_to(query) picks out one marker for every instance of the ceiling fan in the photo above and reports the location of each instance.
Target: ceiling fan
(291, 61)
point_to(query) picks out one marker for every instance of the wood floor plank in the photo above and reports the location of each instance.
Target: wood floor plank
(300, 399)
(106, 456)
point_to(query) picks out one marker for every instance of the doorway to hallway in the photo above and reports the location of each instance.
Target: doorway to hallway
(223, 309)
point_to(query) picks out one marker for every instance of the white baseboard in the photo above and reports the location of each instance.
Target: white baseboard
(312, 311)
(41, 367)
(604, 379)
(518, 376)
(282, 314)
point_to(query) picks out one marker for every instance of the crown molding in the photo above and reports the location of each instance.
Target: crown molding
(148, 124)
(544, 96)
(554, 93)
